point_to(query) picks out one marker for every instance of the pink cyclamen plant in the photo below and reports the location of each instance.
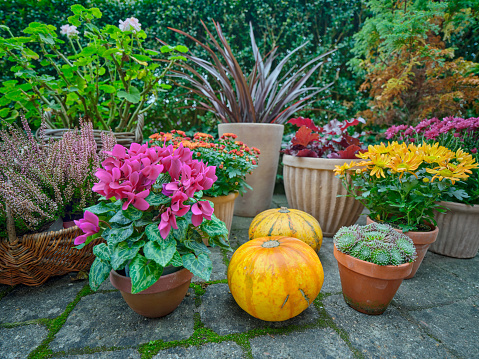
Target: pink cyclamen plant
(152, 203)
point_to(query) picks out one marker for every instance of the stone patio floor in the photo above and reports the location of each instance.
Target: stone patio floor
(433, 315)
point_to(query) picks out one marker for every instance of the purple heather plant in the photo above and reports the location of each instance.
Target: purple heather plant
(40, 181)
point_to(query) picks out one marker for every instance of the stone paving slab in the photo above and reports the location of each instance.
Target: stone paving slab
(456, 325)
(20, 341)
(309, 344)
(117, 354)
(279, 201)
(332, 281)
(389, 335)
(224, 350)
(432, 285)
(220, 313)
(219, 268)
(46, 301)
(105, 320)
(459, 268)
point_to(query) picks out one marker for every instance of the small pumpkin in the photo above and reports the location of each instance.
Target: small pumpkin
(275, 278)
(287, 222)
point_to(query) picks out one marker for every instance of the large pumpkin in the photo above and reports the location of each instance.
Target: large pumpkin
(287, 222)
(275, 278)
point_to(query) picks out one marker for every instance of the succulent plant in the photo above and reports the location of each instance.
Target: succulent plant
(376, 243)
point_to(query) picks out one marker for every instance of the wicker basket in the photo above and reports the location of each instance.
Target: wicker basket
(33, 258)
(122, 138)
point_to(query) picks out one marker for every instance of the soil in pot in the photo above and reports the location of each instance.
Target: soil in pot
(421, 240)
(368, 287)
(161, 298)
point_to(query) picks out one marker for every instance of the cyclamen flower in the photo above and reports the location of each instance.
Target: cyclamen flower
(130, 24)
(201, 210)
(89, 224)
(69, 30)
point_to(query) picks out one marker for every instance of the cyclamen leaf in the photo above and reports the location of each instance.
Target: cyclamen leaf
(160, 253)
(99, 271)
(304, 137)
(180, 233)
(133, 213)
(120, 218)
(117, 235)
(144, 273)
(123, 253)
(176, 260)
(102, 207)
(154, 199)
(197, 247)
(200, 266)
(102, 251)
(153, 233)
(300, 121)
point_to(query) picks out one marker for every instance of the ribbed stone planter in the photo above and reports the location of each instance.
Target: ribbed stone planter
(459, 235)
(224, 209)
(311, 186)
(267, 138)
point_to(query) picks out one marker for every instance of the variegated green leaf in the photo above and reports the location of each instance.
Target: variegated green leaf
(153, 233)
(200, 266)
(99, 271)
(157, 199)
(102, 207)
(117, 235)
(197, 247)
(102, 251)
(214, 228)
(144, 273)
(119, 218)
(176, 260)
(133, 213)
(160, 253)
(180, 233)
(122, 253)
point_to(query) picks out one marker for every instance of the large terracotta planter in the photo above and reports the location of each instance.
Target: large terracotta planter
(160, 299)
(224, 209)
(421, 240)
(267, 138)
(368, 287)
(459, 236)
(311, 186)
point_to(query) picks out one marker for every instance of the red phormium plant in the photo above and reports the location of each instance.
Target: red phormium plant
(330, 141)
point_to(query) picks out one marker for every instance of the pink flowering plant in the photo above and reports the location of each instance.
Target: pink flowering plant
(335, 140)
(454, 133)
(102, 74)
(151, 215)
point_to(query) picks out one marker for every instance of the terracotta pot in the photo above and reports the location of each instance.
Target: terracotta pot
(311, 186)
(368, 287)
(224, 208)
(267, 138)
(68, 224)
(160, 299)
(459, 236)
(421, 240)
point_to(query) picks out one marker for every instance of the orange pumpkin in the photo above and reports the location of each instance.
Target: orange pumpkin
(287, 222)
(275, 278)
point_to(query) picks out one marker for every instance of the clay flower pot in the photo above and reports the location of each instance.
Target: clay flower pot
(421, 240)
(160, 299)
(267, 138)
(368, 287)
(311, 186)
(224, 207)
(459, 236)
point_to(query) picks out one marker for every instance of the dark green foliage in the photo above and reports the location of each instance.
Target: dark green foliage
(287, 24)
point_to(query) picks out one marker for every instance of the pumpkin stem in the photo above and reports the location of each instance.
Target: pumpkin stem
(284, 210)
(270, 244)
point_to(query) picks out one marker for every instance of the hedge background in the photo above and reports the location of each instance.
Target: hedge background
(283, 23)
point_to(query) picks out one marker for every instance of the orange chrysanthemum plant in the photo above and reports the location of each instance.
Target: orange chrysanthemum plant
(401, 184)
(233, 159)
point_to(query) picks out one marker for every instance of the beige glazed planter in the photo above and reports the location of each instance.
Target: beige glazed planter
(224, 209)
(311, 186)
(267, 138)
(459, 235)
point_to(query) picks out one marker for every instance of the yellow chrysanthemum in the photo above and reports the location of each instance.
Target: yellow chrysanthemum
(450, 171)
(379, 149)
(341, 170)
(405, 162)
(378, 162)
(466, 160)
(435, 153)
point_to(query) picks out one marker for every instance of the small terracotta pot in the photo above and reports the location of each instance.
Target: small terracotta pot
(421, 240)
(224, 208)
(459, 237)
(368, 287)
(160, 299)
(68, 224)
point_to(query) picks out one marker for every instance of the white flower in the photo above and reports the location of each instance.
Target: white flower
(130, 24)
(69, 30)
